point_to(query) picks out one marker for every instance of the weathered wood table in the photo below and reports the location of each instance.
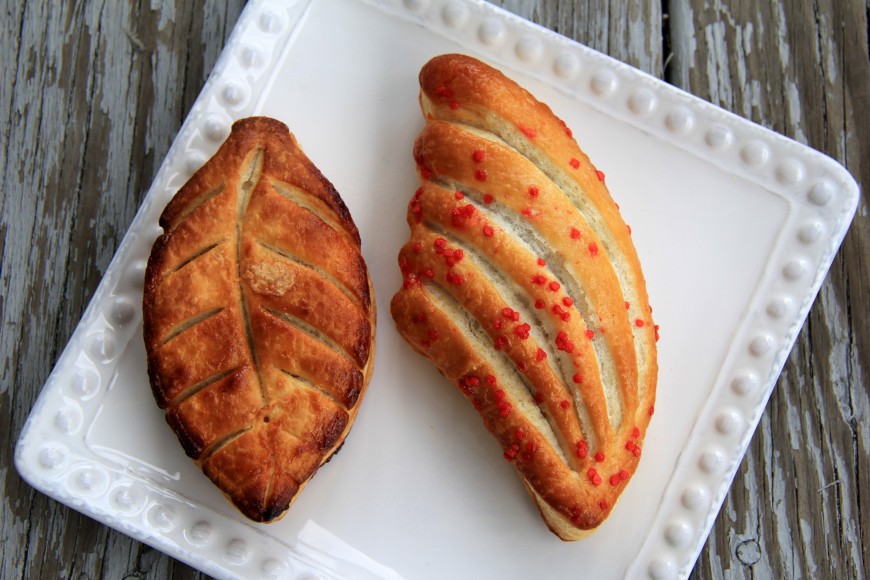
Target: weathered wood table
(94, 91)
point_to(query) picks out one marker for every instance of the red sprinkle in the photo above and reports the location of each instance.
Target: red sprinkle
(651, 410)
(522, 331)
(627, 305)
(567, 301)
(458, 195)
(635, 432)
(590, 334)
(614, 479)
(480, 174)
(564, 343)
(593, 249)
(440, 243)
(541, 262)
(455, 278)
(554, 286)
(599, 175)
(540, 355)
(564, 404)
(488, 231)
(444, 91)
(575, 233)
(603, 504)
(429, 273)
(623, 474)
(578, 378)
(527, 131)
(539, 304)
(638, 323)
(520, 434)
(487, 198)
(500, 343)
(539, 279)
(599, 457)
(593, 476)
(533, 191)
(454, 105)
(575, 163)
(478, 156)
(418, 246)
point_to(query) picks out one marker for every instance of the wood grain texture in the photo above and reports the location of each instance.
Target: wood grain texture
(798, 505)
(93, 92)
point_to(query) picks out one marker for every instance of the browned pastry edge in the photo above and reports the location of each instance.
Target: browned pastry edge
(259, 318)
(522, 285)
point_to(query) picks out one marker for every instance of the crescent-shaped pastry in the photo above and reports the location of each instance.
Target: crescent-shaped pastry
(522, 285)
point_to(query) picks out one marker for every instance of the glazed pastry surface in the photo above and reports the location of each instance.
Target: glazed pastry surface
(259, 318)
(522, 285)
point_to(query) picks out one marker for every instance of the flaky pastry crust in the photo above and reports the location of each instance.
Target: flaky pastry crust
(259, 318)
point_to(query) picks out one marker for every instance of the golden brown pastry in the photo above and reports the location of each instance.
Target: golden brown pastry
(522, 285)
(259, 318)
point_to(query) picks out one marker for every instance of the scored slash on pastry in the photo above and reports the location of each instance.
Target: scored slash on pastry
(259, 318)
(522, 285)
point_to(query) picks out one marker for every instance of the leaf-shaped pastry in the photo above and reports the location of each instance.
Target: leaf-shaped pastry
(259, 318)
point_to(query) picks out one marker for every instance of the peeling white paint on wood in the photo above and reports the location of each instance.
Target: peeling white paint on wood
(681, 23)
(783, 65)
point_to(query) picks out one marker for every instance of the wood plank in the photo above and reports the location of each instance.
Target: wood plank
(800, 68)
(628, 31)
(97, 91)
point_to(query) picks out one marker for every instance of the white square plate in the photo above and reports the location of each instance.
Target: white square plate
(736, 227)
